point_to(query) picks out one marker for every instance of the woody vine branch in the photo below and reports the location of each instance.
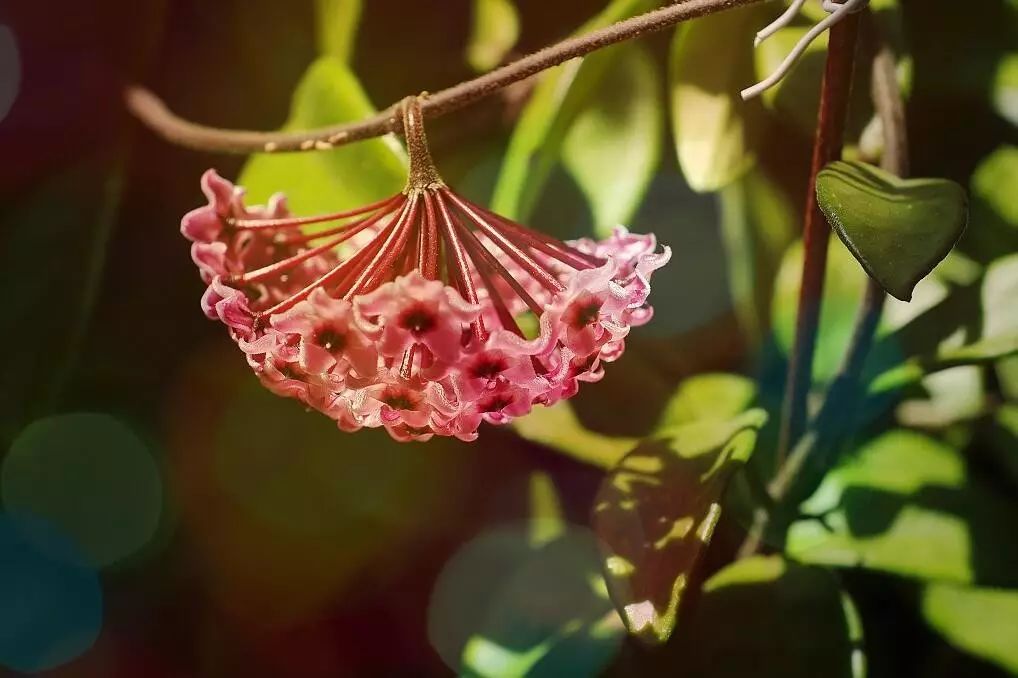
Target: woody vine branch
(152, 111)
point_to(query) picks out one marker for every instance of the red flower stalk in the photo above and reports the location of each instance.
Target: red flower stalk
(404, 313)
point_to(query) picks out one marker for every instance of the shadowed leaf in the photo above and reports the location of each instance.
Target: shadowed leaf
(656, 511)
(899, 230)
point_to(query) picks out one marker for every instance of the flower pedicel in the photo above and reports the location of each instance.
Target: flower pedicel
(403, 313)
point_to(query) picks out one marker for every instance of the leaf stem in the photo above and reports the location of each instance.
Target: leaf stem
(151, 110)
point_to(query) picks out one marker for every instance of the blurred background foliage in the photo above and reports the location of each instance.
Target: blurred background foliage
(162, 515)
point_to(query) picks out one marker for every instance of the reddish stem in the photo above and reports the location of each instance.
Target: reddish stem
(457, 260)
(383, 261)
(834, 100)
(285, 222)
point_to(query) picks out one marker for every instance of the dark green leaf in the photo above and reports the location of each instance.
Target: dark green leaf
(337, 22)
(710, 120)
(979, 621)
(496, 27)
(614, 145)
(657, 510)
(766, 617)
(324, 181)
(558, 99)
(904, 504)
(68, 220)
(899, 230)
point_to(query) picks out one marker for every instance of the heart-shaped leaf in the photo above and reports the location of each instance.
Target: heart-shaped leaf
(898, 229)
(657, 510)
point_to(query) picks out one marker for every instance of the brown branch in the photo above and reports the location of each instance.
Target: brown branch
(151, 110)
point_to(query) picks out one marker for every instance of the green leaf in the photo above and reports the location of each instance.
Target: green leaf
(978, 621)
(898, 229)
(656, 512)
(336, 22)
(757, 226)
(994, 209)
(766, 617)
(614, 145)
(496, 28)
(710, 121)
(1005, 88)
(707, 397)
(67, 219)
(1000, 289)
(560, 96)
(905, 504)
(546, 521)
(508, 609)
(559, 428)
(844, 285)
(797, 96)
(325, 181)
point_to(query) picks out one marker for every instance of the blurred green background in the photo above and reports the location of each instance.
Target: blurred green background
(163, 515)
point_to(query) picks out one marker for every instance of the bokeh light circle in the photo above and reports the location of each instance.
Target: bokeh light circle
(10, 71)
(90, 476)
(50, 598)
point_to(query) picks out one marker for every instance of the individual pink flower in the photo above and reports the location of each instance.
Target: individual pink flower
(403, 314)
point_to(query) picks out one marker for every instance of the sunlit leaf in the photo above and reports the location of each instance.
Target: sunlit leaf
(614, 145)
(496, 27)
(710, 121)
(707, 397)
(560, 96)
(898, 229)
(757, 225)
(337, 22)
(347, 177)
(558, 427)
(999, 295)
(764, 616)
(656, 511)
(994, 210)
(546, 521)
(797, 96)
(980, 621)
(1005, 89)
(904, 504)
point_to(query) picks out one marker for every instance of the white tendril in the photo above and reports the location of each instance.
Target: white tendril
(836, 12)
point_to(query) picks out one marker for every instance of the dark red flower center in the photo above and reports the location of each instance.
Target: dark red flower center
(488, 367)
(495, 403)
(584, 311)
(417, 319)
(399, 399)
(330, 339)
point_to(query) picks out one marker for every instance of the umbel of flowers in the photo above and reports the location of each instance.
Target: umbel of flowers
(403, 313)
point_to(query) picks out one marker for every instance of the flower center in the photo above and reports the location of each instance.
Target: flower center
(584, 311)
(399, 399)
(495, 403)
(417, 319)
(488, 368)
(331, 340)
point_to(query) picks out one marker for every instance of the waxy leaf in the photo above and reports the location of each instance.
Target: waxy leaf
(898, 229)
(560, 96)
(709, 118)
(766, 617)
(980, 621)
(559, 428)
(904, 503)
(325, 181)
(613, 147)
(496, 28)
(656, 511)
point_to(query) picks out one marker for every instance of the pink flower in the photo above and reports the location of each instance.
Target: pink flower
(403, 314)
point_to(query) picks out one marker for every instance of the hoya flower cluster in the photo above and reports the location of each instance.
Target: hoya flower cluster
(404, 313)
